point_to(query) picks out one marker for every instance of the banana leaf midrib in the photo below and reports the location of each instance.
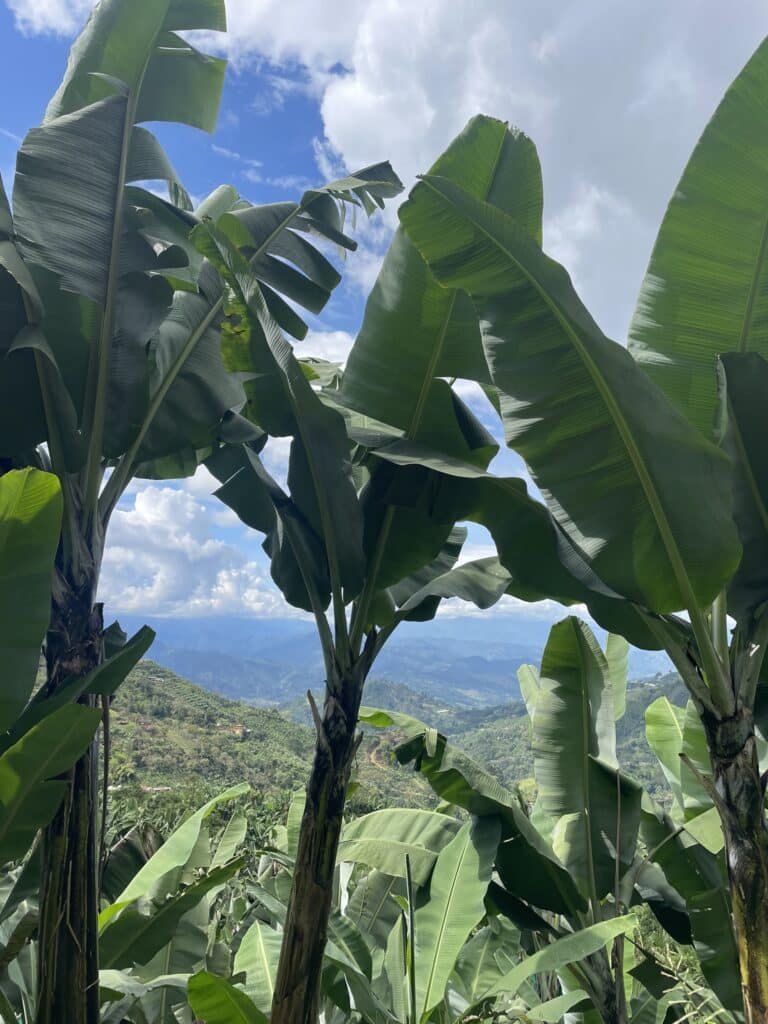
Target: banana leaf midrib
(746, 326)
(442, 928)
(746, 466)
(416, 417)
(614, 411)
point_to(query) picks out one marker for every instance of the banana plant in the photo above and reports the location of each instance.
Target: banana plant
(386, 463)
(161, 929)
(575, 862)
(112, 349)
(649, 458)
(33, 751)
(41, 737)
(411, 938)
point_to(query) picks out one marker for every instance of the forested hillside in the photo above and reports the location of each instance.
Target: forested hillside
(173, 743)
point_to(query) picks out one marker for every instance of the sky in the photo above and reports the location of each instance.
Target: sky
(613, 93)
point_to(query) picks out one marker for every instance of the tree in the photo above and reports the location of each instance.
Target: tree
(653, 466)
(34, 747)
(386, 460)
(594, 844)
(111, 342)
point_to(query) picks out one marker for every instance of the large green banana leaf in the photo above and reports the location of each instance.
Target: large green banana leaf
(664, 733)
(617, 655)
(102, 681)
(672, 732)
(696, 875)
(479, 965)
(403, 539)
(135, 936)
(258, 956)
(319, 473)
(412, 596)
(525, 861)
(283, 261)
(347, 939)
(121, 992)
(217, 1001)
(231, 839)
(589, 810)
(395, 970)
(298, 563)
(373, 908)
(413, 330)
(30, 517)
(531, 547)
(383, 839)
(71, 213)
(188, 390)
(576, 407)
(31, 786)
(19, 305)
(163, 872)
(743, 419)
(706, 289)
(455, 906)
(132, 43)
(561, 953)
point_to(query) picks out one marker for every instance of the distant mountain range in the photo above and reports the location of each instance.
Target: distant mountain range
(468, 661)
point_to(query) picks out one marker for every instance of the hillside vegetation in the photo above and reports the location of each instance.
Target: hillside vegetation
(174, 743)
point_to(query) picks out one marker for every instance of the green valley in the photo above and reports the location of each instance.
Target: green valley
(173, 744)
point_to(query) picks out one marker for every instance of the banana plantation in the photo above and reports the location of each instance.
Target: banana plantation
(145, 333)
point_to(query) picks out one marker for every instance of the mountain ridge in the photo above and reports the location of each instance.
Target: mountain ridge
(469, 661)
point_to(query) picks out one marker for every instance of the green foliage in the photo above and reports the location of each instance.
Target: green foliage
(457, 889)
(113, 358)
(30, 516)
(173, 743)
(704, 291)
(142, 336)
(216, 1001)
(30, 785)
(590, 817)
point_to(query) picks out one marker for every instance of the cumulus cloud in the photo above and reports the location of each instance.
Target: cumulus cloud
(57, 17)
(163, 557)
(331, 345)
(614, 95)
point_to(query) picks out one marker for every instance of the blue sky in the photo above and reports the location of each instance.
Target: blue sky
(614, 94)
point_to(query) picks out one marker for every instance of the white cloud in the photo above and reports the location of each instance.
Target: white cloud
(59, 17)
(331, 345)
(668, 73)
(162, 558)
(288, 182)
(545, 611)
(288, 31)
(613, 94)
(580, 221)
(276, 87)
